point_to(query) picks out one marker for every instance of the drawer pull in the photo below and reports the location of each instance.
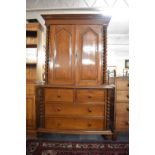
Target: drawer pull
(58, 96)
(89, 124)
(127, 96)
(126, 123)
(89, 96)
(127, 109)
(89, 110)
(128, 84)
(58, 124)
(58, 109)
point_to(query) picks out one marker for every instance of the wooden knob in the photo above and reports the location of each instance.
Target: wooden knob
(58, 96)
(128, 84)
(127, 109)
(58, 124)
(127, 96)
(89, 124)
(89, 110)
(89, 96)
(126, 123)
(58, 109)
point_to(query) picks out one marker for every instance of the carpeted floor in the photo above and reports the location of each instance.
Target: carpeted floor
(65, 144)
(48, 147)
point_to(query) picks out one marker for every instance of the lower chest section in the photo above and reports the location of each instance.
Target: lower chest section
(73, 109)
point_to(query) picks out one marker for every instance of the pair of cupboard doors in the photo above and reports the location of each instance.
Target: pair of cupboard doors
(75, 55)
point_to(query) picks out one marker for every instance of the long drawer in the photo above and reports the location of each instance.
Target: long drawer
(91, 96)
(122, 109)
(122, 84)
(122, 96)
(58, 123)
(122, 123)
(58, 95)
(75, 109)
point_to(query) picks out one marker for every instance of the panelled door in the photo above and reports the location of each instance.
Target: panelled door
(61, 50)
(89, 47)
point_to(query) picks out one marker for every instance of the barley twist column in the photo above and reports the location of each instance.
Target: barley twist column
(105, 54)
(47, 54)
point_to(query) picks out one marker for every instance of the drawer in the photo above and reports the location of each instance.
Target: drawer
(62, 95)
(122, 123)
(122, 84)
(74, 109)
(30, 89)
(89, 96)
(122, 96)
(58, 123)
(122, 109)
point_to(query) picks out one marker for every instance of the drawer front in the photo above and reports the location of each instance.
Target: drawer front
(122, 123)
(61, 95)
(122, 109)
(30, 89)
(74, 109)
(90, 96)
(122, 84)
(57, 123)
(122, 96)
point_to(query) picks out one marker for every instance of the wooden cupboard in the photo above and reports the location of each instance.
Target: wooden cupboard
(76, 97)
(122, 104)
(31, 72)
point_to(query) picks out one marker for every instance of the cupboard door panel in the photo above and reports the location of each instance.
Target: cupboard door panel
(61, 64)
(89, 51)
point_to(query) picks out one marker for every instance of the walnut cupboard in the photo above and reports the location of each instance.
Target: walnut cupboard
(76, 97)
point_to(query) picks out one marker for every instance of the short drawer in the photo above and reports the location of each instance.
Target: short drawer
(75, 110)
(122, 123)
(63, 95)
(89, 96)
(30, 89)
(122, 109)
(57, 123)
(122, 96)
(122, 84)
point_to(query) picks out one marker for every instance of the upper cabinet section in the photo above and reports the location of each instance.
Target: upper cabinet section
(75, 49)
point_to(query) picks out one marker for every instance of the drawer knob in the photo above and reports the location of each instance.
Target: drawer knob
(89, 124)
(89, 110)
(58, 96)
(127, 96)
(58, 124)
(89, 96)
(128, 84)
(126, 123)
(127, 109)
(58, 109)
